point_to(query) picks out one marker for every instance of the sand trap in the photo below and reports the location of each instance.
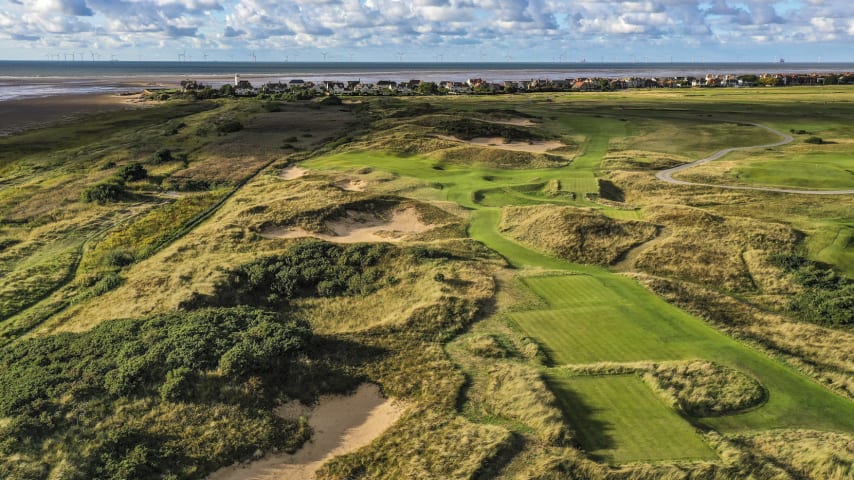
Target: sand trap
(519, 122)
(356, 227)
(498, 142)
(340, 424)
(352, 185)
(292, 173)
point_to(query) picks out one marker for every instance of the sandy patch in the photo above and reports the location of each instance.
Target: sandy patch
(23, 114)
(292, 173)
(519, 122)
(341, 425)
(352, 185)
(498, 142)
(356, 227)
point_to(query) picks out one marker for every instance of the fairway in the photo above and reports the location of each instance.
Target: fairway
(618, 419)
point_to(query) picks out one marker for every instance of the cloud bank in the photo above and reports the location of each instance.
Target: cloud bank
(424, 29)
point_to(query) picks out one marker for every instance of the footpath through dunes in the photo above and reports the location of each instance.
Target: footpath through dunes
(667, 175)
(340, 425)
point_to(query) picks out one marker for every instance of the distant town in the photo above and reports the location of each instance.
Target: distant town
(302, 89)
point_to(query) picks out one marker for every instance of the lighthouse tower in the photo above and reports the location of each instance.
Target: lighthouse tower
(236, 79)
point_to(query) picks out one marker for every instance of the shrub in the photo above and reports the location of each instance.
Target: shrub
(308, 269)
(814, 140)
(103, 193)
(132, 172)
(162, 155)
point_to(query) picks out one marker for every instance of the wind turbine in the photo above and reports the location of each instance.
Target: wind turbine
(253, 57)
(324, 55)
(562, 55)
(182, 57)
(400, 56)
(509, 58)
(93, 55)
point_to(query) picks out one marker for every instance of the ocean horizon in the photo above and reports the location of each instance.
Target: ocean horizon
(41, 78)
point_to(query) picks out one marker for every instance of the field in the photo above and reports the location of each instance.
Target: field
(513, 358)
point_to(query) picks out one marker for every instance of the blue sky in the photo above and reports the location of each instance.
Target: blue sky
(429, 30)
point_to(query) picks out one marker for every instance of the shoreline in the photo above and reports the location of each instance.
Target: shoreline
(23, 114)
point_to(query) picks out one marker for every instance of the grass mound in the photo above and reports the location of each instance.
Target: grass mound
(467, 129)
(516, 391)
(579, 235)
(487, 346)
(499, 158)
(728, 253)
(703, 389)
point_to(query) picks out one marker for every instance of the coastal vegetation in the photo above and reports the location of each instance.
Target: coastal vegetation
(552, 311)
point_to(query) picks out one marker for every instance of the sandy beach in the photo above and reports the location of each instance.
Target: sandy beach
(27, 113)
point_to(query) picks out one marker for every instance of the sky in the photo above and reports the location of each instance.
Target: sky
(429, 30)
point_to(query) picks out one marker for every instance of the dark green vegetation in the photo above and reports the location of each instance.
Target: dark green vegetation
(553, 368)
(314, 269)
(826, 298)
(113, 390)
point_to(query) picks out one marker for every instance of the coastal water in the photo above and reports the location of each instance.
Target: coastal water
(20, 79)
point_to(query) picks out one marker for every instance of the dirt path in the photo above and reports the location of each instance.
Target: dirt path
(627, 264)
(667, 175)
(340, 424)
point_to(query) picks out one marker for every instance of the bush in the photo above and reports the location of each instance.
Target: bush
(132, 172)
(308, 269)
(814, 140)
(103, 193)
(162, 155)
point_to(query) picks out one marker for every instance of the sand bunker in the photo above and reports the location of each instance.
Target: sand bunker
(356, 227)
(499, 142)
(292, 173)
(519, 122)
(352, 185)
(340, 424)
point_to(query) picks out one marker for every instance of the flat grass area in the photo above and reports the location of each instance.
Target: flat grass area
(602, 317)
(618, 419)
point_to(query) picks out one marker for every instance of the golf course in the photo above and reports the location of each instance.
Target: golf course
(647, 284)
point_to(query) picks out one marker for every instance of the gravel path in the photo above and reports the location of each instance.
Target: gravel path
(667, 175)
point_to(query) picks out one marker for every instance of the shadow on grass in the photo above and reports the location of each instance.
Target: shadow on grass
(592, 434)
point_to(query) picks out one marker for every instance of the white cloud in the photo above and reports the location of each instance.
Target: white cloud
(420, 24)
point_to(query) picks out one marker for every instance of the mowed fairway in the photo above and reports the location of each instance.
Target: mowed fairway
(602, 317)
(618, 419)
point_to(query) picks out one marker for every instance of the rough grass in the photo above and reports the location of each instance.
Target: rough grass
(583, 236)
(726, 253)
(518, 392)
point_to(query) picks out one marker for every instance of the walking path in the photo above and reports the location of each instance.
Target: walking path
(667, 175)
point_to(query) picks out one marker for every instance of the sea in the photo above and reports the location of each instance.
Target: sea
(27, 79)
